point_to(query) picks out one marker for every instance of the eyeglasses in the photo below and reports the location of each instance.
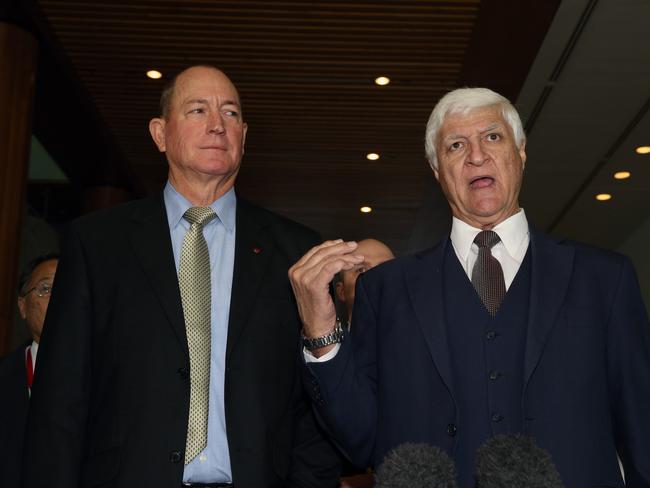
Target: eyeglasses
(42, 289)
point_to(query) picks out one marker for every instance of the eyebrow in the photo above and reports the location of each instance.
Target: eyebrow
(489, 128)
(231, 102)
(205, 102)
(195, 100)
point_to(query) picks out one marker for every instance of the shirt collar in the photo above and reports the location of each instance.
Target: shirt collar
(176, 205)
(512, 232)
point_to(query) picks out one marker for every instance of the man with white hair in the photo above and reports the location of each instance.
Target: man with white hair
(497, 329)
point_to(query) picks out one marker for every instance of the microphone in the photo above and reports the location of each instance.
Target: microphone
(515, 461)
(412, 465)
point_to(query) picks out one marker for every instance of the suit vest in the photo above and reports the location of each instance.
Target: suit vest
(487, 357)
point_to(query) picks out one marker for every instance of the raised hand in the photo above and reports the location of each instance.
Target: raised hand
(310, 279)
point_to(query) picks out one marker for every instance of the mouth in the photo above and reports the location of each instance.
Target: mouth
(481, 182)
(214, 148)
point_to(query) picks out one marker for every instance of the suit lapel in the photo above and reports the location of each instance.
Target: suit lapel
(423, 277)
(149, 236)
(253, 251)
(552, 266)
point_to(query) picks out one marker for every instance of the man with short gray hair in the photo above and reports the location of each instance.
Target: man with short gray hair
(497, 329)
(169, 352)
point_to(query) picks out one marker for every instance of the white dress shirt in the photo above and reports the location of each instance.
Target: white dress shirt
(510, 251)
(34, 348)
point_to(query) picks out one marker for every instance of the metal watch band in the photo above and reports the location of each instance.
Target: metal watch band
(333, 337)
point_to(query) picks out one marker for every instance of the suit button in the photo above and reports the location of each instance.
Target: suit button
(497, 417)
(451, 430)
(494, 375)
(175, 457)
(183, 373)
(490, 335)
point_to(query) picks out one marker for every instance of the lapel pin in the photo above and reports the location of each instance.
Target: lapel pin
(257, 250)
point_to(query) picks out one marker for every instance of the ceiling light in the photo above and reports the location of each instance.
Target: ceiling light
(372, 156)
(603, 197)
(382, 80)
(622, 175)
(153, 74)
(366, 209)
(643, 150)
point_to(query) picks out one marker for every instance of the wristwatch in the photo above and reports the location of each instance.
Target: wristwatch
(333, 337)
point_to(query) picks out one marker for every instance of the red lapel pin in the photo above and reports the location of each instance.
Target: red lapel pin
(257, 250)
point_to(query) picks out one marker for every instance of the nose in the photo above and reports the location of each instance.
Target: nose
(215, 124)
(476, 155)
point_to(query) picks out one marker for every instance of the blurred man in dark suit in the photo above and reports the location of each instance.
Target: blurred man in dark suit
(375, 252)
(169, 353)
(17, 369)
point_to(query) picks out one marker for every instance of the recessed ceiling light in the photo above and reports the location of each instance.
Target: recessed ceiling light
(603, 197)
(622, 175)
(153, 74)
(366, 209)
(643, 150)
(382, 80)
(372, 156)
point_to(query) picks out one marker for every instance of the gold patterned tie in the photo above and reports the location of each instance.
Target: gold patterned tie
(194, 282)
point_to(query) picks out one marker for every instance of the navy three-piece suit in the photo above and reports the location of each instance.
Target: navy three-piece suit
(566, 360)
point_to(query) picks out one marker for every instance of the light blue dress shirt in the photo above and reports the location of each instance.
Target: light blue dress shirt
(213, 463)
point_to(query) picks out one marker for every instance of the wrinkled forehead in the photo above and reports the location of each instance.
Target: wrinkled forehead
(375, 254)
(204, 83)
(44, 270)
(472, 120)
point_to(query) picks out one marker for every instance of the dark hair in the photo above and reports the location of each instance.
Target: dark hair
(168, 89)
(31, 266)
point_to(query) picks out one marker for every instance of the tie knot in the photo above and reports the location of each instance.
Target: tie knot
(199, 215)
(486, 238)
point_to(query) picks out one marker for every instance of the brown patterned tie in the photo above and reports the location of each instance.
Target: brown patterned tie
(194, 282)
(487, 275)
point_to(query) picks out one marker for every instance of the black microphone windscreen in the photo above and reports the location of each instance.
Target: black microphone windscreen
(515, 461)
(416, 466)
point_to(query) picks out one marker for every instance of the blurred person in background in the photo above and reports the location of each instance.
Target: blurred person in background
(17, 369)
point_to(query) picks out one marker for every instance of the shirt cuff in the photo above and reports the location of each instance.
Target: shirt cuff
(310, 358)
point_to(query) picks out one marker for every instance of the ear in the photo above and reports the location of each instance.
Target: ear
(243, 138)
(522, 154)
(436, 174)
(339, 291)
(157, 131)
(21, 307)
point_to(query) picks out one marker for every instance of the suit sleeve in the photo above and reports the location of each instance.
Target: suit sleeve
(55, 432)
(629, 378)
(343, 389)
(314, 461)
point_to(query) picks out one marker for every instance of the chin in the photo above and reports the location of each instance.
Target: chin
(487, 209)
(216, 168)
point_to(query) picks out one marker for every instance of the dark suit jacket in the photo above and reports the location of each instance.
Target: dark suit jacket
(110, 400)
(586, 391)
(14, 404)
